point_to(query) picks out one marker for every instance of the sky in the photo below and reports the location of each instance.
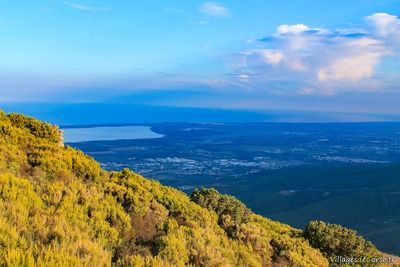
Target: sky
(305, 55)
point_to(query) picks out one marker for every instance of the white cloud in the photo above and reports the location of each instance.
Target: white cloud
(323, 61)
(265, 55)
(214, 9)
(86, 8)
(385, 24)
(297, 28)
(357, 62)
(271, 56)
(386, 27)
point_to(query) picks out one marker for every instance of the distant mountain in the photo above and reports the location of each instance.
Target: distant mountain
(59, 208)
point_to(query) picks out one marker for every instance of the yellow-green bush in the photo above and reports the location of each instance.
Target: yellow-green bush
(59, 208)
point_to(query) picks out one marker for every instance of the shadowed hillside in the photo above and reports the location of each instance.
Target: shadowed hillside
(59, 208)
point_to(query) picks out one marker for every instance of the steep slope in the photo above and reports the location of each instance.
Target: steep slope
(59, 208)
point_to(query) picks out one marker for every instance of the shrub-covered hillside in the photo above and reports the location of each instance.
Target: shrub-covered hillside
(59, 208)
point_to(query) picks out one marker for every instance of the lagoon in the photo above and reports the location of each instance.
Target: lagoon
(76, 135)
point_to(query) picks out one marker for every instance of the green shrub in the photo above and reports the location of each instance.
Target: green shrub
(231, 212)
(335, 240)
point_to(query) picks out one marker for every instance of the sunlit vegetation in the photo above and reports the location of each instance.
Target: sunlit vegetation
(335, 240)
(59, 208)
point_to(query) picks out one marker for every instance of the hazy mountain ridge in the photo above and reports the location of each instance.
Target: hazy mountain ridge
(58, 207)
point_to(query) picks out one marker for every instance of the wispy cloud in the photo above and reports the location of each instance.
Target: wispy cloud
(214, 9)
(87, 8)
(321, 61)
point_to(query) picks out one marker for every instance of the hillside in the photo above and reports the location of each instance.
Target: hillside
(59, 208)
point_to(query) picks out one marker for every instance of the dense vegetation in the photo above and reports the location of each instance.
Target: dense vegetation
(59, 208)
(333, 240)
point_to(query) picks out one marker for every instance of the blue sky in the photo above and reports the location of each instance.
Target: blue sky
(340, 56)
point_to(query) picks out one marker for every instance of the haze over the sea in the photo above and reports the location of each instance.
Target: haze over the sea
(288, 60)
